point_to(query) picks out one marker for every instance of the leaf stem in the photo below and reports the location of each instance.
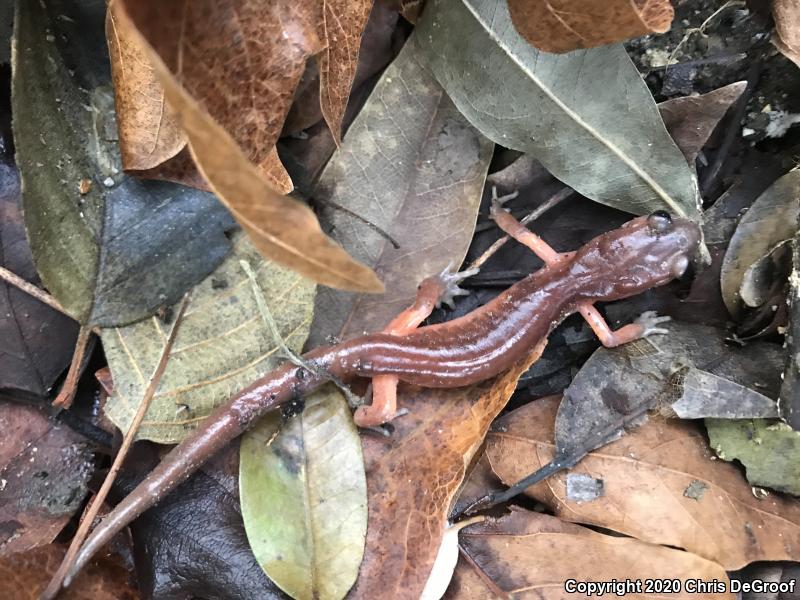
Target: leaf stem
(67, 393)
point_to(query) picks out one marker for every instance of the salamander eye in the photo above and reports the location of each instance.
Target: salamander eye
(659, 221)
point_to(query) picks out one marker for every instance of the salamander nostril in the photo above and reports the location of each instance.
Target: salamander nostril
(659, 221)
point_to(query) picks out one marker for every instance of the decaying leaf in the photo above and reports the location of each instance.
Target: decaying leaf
(787, 28)
(282, 228)
(25, 575)
(772, 218)
(37, 340)
(565, 25)
(610, 145)
(691, 370)
(223, 344)
(691, 120)
(123, 248)
(303, 494)
(532, 555)
(413, 168)
(412, 483)
(770, 451)
(44, 471)
(646, 475)
(192, 544)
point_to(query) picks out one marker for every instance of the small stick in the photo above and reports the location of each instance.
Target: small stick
(296, 359)
(32, 290)
(535, 214)
(58, 579)
(702, 29)
(67, 393)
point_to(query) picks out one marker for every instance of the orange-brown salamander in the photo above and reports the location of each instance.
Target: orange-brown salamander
(644, 253)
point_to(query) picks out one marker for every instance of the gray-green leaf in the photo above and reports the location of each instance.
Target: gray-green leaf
(769, 451)
(303, 492)
(586, 115)
(223, 345)
(124, 248)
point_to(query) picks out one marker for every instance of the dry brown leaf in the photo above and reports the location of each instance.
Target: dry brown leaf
(344, 21)
(565, 25)
(532, 555)
(787, 28)
(413, 476)
(148, 133)
(282, 228)
(648, 475)
(24, 576)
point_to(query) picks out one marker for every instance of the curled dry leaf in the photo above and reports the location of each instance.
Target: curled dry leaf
(565, 25)
(412, 167)
(661, 486)
(303, 494)
(282, 228)
(222, 345)
(772, 218)
(531, 555)
(37, 340)
(611, 147)
(44, 470)
(787, 28)
(24, 576)
(412, 482)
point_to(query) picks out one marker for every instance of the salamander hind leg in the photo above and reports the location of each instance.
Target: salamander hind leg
(433, 291)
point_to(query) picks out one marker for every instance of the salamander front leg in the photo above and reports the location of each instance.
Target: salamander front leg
(432, 292)
(647, 324)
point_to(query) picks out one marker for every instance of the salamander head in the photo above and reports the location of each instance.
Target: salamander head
(644, 253)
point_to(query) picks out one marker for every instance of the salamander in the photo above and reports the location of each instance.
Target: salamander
(645, 252)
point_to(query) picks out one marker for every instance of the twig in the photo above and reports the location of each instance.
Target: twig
(292, 356)
(59, 578)
(67, 392)
(370, 224)
(32, 290)
(535, 214)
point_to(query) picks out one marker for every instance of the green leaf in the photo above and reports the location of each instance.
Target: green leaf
(222, 345)
(770, 451)
(303, 492)
(586, 115)
(117, 253)
(414, 168)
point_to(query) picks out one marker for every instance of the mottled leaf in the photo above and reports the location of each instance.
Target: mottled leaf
(587, 115)
(282, 228)
(414, 169)
(772, 218)
(303, 494)
(37, 340)
(660, 486)
(565, 25)
(124, 248)
(44, 472)
(770, 451)
(531, 555)
(223, 344)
